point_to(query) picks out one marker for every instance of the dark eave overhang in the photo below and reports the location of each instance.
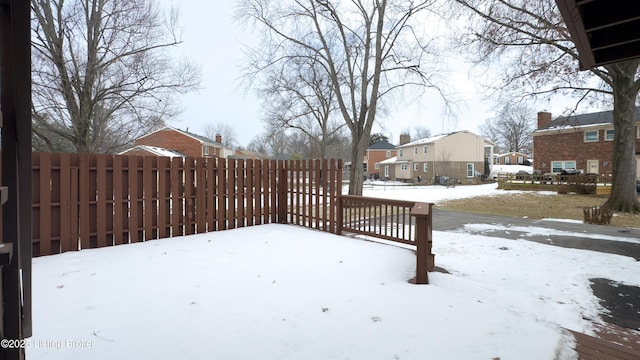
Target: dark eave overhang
(604, 32)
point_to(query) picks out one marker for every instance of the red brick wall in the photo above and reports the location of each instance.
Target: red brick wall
(173, 140)
(567, 146)
(375, 156)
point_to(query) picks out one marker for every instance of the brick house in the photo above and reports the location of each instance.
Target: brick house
(460, 155)
(583, 142)
(184, 142)
(512, 158)
(376, 153)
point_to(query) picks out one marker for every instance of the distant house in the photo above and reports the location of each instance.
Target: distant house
(380, 151)
(460, 155)
(582, 142)
(512, 158)
(184, 142)
(246, 155)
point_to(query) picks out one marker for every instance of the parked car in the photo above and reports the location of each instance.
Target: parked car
(522, 175)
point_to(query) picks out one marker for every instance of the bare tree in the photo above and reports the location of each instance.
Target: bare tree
(298, 95)
(368, 49)
(225, 130)
(420, 132)
(101, 71)
(512, 129)
(539, 58)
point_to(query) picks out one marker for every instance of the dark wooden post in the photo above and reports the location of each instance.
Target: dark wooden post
(15, 120)
(339, 214)
(425, 258)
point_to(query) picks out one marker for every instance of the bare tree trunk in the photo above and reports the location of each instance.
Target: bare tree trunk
(625, 91)
(358, 148)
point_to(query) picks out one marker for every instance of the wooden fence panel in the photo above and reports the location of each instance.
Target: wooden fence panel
(83, 201)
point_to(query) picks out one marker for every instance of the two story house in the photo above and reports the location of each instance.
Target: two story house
(182, 142)
(380, 151)
(460, 155)
(583, 142)
(512, 158)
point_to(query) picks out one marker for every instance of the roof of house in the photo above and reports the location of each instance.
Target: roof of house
(433, 139)
(597, 118)
(390, 160)
(200, 138)
(382, 145)
(155, 150)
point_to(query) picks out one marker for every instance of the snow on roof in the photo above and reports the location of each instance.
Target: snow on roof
(156, 151)
(390, 160)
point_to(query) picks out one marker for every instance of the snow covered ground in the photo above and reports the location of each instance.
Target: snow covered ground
(285, 292)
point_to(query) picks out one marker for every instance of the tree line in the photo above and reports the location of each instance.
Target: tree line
(326, 70)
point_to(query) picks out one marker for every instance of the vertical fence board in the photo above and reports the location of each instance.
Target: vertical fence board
(211, 194)
(65, 203)
(201, 200)
(118, 196)
(176, 197)
(164, 194)
(84, 199)
(331, 195)
(101, 200)
(189, 215)
(134, 224)
(250, 190)
(45, 203)
(109, 217)
(232, 198)
(148, 197)
(257, 180)
(222, 194)
(242, 191)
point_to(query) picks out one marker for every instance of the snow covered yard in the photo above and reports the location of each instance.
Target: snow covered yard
(286, 292)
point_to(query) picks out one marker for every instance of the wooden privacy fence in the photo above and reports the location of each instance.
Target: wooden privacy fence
(83, 201)
(406, 222)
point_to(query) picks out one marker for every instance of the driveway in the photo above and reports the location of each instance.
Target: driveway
(448, 220)
(622, 301)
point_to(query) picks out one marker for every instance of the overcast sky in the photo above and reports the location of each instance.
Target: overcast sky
(213, 41)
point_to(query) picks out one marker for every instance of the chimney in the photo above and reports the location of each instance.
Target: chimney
(219, 137)
(544, 118)
(405, 139)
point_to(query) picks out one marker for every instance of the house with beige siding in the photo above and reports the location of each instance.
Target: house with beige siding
(460, 155)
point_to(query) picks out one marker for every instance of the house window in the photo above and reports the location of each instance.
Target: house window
(376, 166)
(609, 134)
(424, 149)
(498, 160)
(388, 153)
(400, 153)
(415, 151)
(591, 136)
(637, 132)
(415, 166)
(205, 150)
(403, 167)
(425, 167)
(558, 166)
(507, 160)
(520, 160)
(470, 170)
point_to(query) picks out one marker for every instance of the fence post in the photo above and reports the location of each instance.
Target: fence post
(339, 214)
(425, 258)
